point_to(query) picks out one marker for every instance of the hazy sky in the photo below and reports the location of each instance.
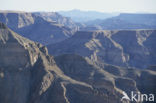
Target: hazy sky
(96, 5)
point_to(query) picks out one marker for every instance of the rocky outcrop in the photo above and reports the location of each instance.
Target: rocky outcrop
(29, 75)
(127, 48)
(106, 78)
(38, 28)
(21, 59)
(15, 20)
(26, 69)
(59, 19)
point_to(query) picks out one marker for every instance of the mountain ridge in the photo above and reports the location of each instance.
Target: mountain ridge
(84, 16)
(125, 21)
(24, 22)
(118, 47)
(29, 74)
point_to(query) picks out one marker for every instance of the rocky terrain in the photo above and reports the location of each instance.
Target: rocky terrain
(30, 25)
(28, 74)
(125, 21)
(106, 75)
(59, 19)
(127, 48)
(58, 28)
(84, 66)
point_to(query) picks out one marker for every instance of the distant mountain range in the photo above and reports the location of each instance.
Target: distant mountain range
(28, 74)
(51, 27)
(125, 21)
(84, 16)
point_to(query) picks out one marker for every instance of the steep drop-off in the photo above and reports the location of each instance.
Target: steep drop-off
(128, 48)
(35, 27)
(28, 74)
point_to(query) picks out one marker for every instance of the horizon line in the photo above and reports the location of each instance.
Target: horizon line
(137, 12)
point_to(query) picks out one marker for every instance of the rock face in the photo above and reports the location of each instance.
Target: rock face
(59, 19)
(15, 20)
(31, 25)
(28, 74)
(106, 78)
(20, 60)
(128, 48)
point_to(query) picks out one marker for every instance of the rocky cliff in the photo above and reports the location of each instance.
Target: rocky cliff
(59, 19)
(128, 48)
(106, 77)
(31, 25)
(28, 74)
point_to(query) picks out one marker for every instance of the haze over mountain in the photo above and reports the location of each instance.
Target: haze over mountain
(84, 16)
(77, 51)
(125, 21)
(28, 74)
(51, 27)
(128, 48)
